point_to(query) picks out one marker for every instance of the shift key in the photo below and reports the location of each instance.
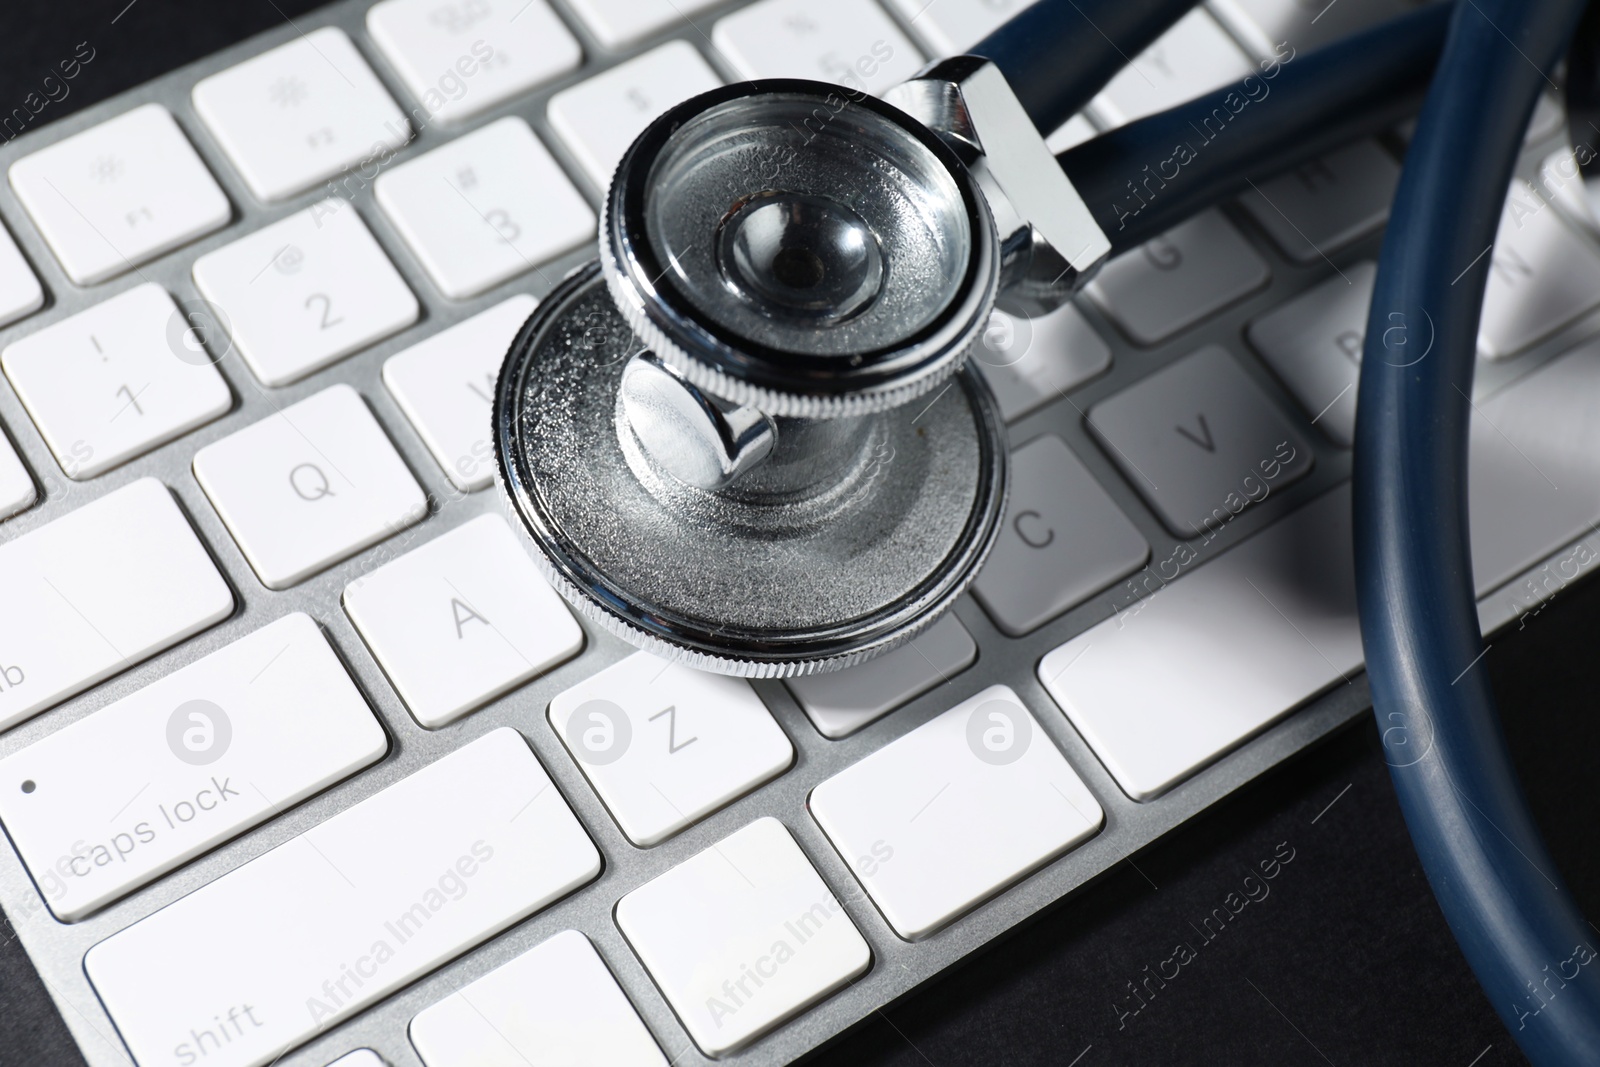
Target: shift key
(298, 939)
(147, 783)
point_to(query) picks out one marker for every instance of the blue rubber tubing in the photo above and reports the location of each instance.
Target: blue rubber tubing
(1518, 927)
(1142, 179)
(1057, 54)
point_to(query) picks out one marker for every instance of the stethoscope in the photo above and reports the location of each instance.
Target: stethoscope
(748, 436)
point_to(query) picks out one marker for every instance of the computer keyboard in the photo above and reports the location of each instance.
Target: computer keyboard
(301, 756)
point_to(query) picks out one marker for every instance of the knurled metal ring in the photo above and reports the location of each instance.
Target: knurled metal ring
(779, 382)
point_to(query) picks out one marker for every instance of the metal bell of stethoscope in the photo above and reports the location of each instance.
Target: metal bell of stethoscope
(747, 436)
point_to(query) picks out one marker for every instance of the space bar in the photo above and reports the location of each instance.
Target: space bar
(268, 955)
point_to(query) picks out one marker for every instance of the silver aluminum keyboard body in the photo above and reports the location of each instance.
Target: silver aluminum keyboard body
(898, 967)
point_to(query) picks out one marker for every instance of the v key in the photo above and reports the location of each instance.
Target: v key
(1204, 439)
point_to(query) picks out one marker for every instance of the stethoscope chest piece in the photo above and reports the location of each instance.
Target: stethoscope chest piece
(745, 437)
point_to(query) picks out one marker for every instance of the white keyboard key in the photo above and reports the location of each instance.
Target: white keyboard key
(308, 486)
(1286, 28)
(1206, 661)
(742, 936)
(361, 1057)
(20, 291)
(617, 23)
(1063, 541)
(300, 114)
(145, 784)
(278, 950)
(119, 194)
(108, 384)
(1534, 472)
(1195, 269)
(846, 42)
(1313, 343)
(1316, 209)
(1074, 131)
(461, 620)
(305, 291)
(1561, 183)
(1542, 275)
(1549, 116)
(600, 118)
(950, 27)
(460, 59)
(1200, 441)
(486, 207)
(445, 386)
(665, 745)
(1030, 362)
(17, 492)
(98, 590)
(841, 702)
(554, 1004)
(1193, 57)
(955, 811)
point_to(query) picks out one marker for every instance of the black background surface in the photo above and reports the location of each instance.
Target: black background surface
(1346, 962)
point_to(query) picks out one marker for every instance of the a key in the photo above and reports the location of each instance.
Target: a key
(841, 702)
(1313, 344)
(950, 27)
(115, 381)
(361, 1057)
(1074, 131)
(446, 384)
(618, 23)
(1561, 183)
(296, 940)
(666, 745)
(143, 785)
(119, 194)
(1286, 28)
(1195, 269)
(1534, 467)
(20, 291)
(556, 1003)
(304, 292)
(461, 620)
(1548, 117)
(300, 114)
(942, 819)
(17, 492)
(742, 936)
(1063, 540)
(599, 118)
(1193, 57)
(846, 42)
(1321, 206)
(461, 57)
(309, 486)
(1204, 661)
(1200, 441)
(98, 590)
(1542, 275)
(488, 206)
(1029, 362)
